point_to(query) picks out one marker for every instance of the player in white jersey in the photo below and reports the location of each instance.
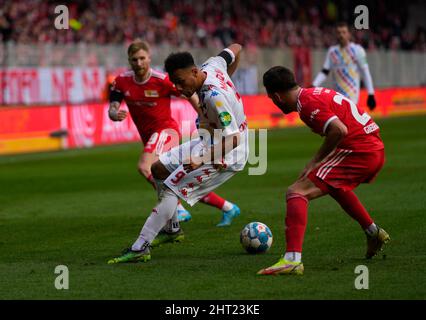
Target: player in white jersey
(347, 63)
(195, 168)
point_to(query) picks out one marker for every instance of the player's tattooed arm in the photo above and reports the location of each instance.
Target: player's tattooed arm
(334, 134)
(114, 112)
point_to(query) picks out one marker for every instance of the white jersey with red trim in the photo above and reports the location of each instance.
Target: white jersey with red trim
(345, 65)
(223, 109)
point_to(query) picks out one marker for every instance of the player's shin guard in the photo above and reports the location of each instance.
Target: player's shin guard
(295, 221)
(159, 217)
(213, 200)
(352, 206)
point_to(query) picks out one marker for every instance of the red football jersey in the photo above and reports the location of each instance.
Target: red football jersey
(148, 101)
(317, 107)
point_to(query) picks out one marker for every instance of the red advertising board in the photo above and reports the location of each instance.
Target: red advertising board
(31, 86)
(30, 129)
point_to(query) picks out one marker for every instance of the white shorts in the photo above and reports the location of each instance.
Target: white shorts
(194, 185)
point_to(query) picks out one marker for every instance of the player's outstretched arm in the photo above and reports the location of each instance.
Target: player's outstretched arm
(236, 50)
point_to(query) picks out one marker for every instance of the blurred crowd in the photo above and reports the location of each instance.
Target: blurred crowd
(209, 23)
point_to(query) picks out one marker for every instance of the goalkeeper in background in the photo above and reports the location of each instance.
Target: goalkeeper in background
(347, 63)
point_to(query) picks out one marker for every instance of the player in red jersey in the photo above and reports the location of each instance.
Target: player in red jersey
(147, 93)
(352, 153)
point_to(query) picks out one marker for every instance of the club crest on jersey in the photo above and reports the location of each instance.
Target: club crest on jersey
(225, 118)
(151, 93)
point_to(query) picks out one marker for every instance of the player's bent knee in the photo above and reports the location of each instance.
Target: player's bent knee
(295, 189)
(159, 171)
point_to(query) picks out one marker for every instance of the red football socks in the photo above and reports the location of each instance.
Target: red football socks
(295, 221)
(352, 206)
(213, 200)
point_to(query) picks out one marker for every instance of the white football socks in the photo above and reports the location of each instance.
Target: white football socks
(372, 230)
(160, 215)
(293, 256)
(227, 206)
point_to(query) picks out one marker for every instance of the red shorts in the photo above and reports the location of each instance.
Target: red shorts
(346, 169)
(161, 141)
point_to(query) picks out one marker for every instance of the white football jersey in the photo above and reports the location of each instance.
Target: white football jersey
(346, 66)
(223, 109)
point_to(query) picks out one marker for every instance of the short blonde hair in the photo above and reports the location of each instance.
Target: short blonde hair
(137, 45)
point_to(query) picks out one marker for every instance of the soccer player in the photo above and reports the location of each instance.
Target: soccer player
(347, 62)
(147, 94)
(352, 153)
(193, 169)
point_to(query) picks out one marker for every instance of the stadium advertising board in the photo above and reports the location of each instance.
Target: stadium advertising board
(25, 86)
(32, 129)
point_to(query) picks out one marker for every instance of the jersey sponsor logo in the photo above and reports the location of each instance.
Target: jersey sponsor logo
(151, 93)
(146, 103)
(314, 113)
(371, 128)
(317, 91)
(225, 118)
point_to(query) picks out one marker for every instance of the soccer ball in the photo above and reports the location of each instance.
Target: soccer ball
(256, 237)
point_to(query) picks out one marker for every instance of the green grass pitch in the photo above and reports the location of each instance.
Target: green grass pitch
(79, 208)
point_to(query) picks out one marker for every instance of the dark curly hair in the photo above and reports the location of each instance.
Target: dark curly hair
(279, 79)
(179, 60)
